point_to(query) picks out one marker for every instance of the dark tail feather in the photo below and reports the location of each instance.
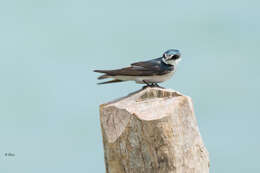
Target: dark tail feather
(111, 81)
(103, 76)
(101, 71)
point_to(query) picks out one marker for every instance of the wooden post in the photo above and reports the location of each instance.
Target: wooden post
(153, 130)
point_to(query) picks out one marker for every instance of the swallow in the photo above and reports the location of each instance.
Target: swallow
(149, 72)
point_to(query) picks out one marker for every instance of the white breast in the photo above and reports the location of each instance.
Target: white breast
(155, 79)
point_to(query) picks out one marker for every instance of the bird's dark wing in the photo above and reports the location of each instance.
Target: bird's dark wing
(154, 65)
(128, 71)
(143, 68)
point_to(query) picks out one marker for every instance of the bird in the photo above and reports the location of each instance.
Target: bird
(149, 72)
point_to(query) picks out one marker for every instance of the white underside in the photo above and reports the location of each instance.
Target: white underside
(148, 79)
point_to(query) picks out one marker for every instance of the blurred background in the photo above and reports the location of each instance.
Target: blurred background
(48, 94)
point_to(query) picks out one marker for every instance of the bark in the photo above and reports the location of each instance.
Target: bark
(152, 130)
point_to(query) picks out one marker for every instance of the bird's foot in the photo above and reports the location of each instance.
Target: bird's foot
(147, 84)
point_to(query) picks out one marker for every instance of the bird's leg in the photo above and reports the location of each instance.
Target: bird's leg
(151, 85)
(147, 84)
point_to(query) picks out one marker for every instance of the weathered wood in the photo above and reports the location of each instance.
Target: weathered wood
(152, 130)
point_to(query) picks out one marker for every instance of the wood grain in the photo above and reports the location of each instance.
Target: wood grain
(152, 130)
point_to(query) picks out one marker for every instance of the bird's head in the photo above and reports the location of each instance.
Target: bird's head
(171, 57)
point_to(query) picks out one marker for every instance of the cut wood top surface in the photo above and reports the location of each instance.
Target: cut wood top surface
(149, 103)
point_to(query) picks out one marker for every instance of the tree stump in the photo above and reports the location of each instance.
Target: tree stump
(153, 130)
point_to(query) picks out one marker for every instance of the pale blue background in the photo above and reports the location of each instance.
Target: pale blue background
(48, 94)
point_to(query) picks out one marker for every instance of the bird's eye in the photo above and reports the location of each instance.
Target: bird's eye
(175, 57)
